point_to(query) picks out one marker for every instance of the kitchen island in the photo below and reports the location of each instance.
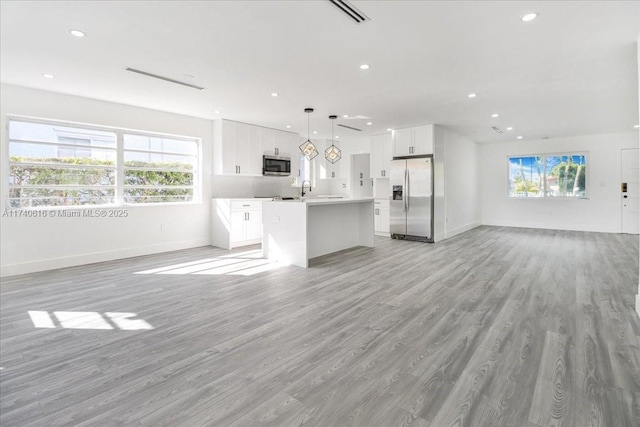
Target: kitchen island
(296, 231)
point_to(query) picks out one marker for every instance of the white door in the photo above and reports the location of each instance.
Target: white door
(630, 179)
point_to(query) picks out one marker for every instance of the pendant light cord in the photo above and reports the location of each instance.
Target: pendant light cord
(332, 138)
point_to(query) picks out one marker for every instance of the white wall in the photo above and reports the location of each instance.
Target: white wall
(461, 184)
(638, 69)
(601, 212)
(30, 244)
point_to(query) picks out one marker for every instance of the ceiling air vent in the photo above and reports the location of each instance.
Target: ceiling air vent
(166, 79)
(351, 11)
(349, 127)
(497, 129)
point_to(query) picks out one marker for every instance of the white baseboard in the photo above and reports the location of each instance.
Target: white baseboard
(460, 230)
(72, 261)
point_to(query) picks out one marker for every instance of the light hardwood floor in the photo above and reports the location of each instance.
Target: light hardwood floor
(495, 327)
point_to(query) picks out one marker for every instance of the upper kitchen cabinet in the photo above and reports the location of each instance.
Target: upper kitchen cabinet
(238, 148)
(380, 155)
(267, 139)
(235, 149)
(294, 142)
(415, 141)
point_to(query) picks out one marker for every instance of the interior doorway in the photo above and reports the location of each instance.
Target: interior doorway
(630, 191)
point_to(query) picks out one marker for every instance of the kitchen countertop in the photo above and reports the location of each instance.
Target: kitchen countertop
(324, 200)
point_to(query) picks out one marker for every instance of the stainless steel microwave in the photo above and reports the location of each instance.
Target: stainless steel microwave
(276, 165)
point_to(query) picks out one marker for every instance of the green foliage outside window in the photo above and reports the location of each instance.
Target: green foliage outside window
(145, 182)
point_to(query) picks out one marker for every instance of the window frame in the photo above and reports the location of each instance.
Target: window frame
(545, 189)
(119, 167)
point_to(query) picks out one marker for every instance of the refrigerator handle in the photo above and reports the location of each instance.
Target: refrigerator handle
(406, 190)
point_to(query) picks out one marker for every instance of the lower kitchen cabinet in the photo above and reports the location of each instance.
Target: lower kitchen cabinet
(236, 222)
(381, 217)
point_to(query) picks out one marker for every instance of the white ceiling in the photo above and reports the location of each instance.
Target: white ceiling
(570, 72)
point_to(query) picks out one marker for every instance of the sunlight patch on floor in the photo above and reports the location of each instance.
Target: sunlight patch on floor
(245, 263)
(88, 320)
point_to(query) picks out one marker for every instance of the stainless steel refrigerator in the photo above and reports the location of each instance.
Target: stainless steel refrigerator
(411, 205)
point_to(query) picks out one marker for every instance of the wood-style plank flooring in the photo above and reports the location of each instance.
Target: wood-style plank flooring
(495, 327)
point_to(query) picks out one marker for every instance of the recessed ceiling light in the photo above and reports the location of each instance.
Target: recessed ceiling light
(77, 33)
(48, 76)
(636, 126)
(389, 130)
(519, 137)
(494, 115)
(288, 126)
(346, 116)
(529, 17)
(369, 123)
(274, 94)
(472, 95)
(337, 137)
(216, 112)
(315, 132)
(509, 128)
(365, 66)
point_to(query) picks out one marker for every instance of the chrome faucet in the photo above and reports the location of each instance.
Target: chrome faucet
(306, 180)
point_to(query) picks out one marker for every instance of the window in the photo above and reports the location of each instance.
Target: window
(48, 167)
(551, 175)
(305, 169)
(54, 164)
(158, 169)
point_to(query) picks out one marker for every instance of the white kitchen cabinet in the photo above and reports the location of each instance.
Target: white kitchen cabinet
(380, 155)
(360, 175)
(236, 222)
(415, 141)
(294, 143)
(267, 141)
(238, 148)
(225, 148)
(381, 217)
(235, 149)
(248, 158)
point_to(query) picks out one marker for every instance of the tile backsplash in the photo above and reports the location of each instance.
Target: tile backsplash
(249, 186)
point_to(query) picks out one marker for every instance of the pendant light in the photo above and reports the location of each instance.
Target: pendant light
(308, 148)
(333, 153)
